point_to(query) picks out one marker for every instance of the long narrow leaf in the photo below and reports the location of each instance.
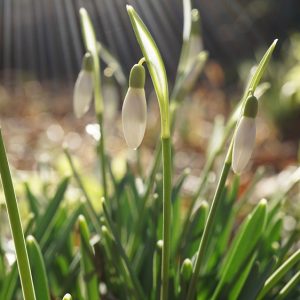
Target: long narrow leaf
(89, 274)
(39, 275)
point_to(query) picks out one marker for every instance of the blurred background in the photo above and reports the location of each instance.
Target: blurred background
(41, 50)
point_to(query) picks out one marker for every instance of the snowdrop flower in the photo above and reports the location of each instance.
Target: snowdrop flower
(245, 136)
(134, 110)
(83, 90)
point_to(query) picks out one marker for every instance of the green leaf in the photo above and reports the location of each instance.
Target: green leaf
(155, 65)
(62, 236)
(36, 260)
(89, 273)
(256, 279)
(243, 245)
(289, 287)
(33, 201)
(88, 32)
(241, 279)
(15, 225)
(45, 219)
(279, 273)
(261, 67)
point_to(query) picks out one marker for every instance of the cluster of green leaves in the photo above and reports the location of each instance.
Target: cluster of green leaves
(116, 252)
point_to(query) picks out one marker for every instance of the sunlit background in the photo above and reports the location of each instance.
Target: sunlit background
(41, 39)
(41, 50)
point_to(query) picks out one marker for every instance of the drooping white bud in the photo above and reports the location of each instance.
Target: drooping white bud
(83, 90)
(243, 144)
(134, 116)
(83, 93)
(245, 134)
(134, 110)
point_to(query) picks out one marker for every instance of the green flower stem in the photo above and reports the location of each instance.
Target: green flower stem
(209, 224)
(16, 226)
(279, 273)
(101, 150)
(167, 188)
(91, 46)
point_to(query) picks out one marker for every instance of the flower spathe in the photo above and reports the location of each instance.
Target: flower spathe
(245, 136)
(134, 110)
(134, 116)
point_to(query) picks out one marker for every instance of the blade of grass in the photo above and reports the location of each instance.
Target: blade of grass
(89, 205)
(243, 245)
(284, 292)
(33, 202)
(91, 46)
(62, 237)
(279, 273)
(40, 280)
(122, 253)
(256, 279)
(44, 220)
(16, 226)
(89, 274)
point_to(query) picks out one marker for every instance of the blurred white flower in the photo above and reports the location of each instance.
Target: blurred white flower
(83, 93)
(243, 144)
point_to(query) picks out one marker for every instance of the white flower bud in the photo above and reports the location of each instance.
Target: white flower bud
(83, 93)
(134, 116)
(243, 143)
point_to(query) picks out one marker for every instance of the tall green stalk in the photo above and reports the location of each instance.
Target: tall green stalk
(16, 226)
(167, 188)
(209, 224)
(91, 46)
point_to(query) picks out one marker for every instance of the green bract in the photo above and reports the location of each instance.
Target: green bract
(251, 107)
(137, 77)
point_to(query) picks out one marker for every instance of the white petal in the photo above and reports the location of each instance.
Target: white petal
(83, 93)
(134, 117)
(243, 144)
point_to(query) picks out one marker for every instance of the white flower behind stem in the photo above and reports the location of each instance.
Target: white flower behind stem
(84, 88)
(243, 144)
(83, 93)
(245, 134)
